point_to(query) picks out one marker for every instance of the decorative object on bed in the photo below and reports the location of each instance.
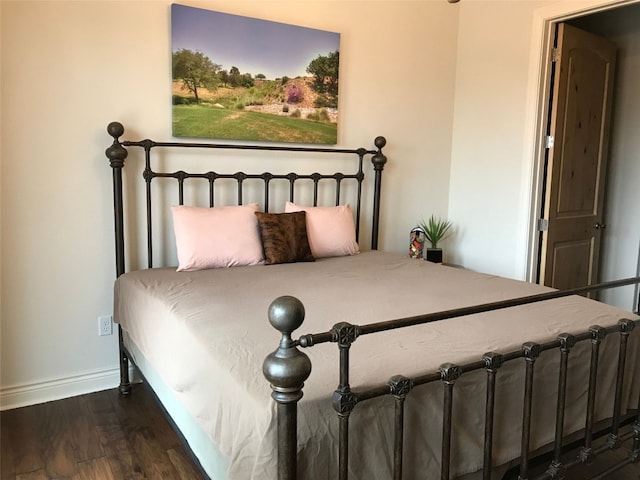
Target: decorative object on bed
(449, 391)
(435, 230)
(284, 237)
(235, 76)
(416, 243)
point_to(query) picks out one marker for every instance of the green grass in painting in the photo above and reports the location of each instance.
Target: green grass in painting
(206, 121)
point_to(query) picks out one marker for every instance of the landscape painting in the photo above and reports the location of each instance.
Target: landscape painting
(243, 78)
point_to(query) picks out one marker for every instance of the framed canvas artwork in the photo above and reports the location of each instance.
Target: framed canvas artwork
(242, 78)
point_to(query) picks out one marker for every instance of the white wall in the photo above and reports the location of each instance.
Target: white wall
(70, 67)
(488, 160)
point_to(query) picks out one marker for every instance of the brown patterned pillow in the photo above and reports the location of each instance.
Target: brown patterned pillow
(284, 237)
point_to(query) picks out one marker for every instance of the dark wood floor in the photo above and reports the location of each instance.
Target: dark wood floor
(102, 436)
(99, 436)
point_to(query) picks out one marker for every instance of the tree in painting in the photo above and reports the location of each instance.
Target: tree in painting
(325, 78)
(195, 70)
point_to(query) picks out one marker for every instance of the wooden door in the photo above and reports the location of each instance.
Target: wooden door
(577, 159)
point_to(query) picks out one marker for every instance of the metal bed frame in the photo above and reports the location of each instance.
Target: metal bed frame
(288, 367)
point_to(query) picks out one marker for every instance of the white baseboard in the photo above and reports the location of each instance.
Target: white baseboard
(40, 392)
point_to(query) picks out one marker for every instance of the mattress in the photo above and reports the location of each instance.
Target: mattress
(206, 334)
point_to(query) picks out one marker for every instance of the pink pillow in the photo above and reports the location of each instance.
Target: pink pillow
(216, 237)
(331, 230)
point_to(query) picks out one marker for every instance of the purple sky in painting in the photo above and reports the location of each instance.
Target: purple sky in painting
(254, 46)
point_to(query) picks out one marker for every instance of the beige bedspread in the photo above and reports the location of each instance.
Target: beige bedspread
(207, 335)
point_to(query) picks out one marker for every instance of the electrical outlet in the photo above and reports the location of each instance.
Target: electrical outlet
(105, 325)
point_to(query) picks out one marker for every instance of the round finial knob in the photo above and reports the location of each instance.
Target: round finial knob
(116, 153)
(380, 142)
(115, 129)
(286, 313)
(286, 368)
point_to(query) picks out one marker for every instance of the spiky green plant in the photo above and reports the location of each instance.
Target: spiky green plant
(436, 229)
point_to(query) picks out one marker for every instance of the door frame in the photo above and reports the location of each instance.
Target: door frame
(538, 93)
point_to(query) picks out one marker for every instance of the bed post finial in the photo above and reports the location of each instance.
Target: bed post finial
(286, 369)
(116, 153)
(379, 160)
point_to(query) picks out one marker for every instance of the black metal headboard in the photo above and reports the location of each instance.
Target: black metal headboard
(117, 153)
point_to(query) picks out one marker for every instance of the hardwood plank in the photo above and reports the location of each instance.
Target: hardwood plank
(84, 435)
(115, 442)
(7, 461)
(94, 469)
(184, 465)
(113, 431)
(151, 456)
(123, 465)
(22, 428)
(145, 411)
(37, 475)
(59, 457)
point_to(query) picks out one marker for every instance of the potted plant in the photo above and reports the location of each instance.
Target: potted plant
(435, 229)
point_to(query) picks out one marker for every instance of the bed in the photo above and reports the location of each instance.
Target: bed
(465, 377)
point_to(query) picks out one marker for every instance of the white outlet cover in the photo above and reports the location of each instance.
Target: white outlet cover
(105, 325)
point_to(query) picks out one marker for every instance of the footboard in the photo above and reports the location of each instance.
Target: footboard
(287, 368)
